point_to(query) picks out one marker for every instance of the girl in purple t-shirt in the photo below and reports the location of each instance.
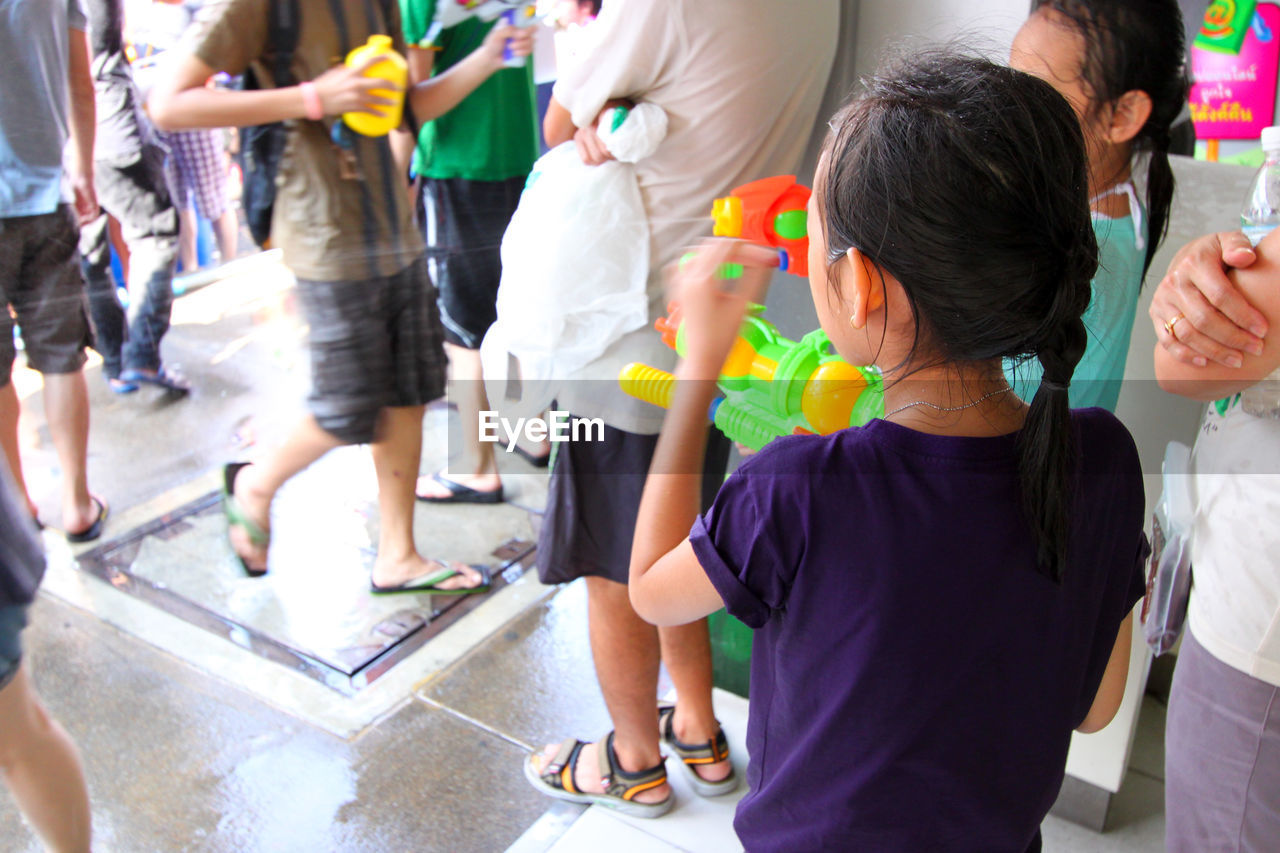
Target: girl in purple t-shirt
(941, 596)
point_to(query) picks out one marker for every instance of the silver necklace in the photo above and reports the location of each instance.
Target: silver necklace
(986, 396)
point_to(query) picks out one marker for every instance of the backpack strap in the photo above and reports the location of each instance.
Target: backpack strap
(282, 40)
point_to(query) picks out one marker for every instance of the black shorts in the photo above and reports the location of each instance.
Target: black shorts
(42, 283)
(374, 343)
(464, 222)
(594, 498)
(13, 618)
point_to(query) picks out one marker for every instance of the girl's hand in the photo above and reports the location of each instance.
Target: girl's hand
(347, 90)
(503, 37)
(713, 307)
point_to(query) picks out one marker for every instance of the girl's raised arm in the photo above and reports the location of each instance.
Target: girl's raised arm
(668, 585)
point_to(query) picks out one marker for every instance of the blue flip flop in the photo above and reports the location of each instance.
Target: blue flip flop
(121, 386)
(172, 382)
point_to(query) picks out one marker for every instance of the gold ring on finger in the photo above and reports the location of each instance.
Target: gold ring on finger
(1169, 326)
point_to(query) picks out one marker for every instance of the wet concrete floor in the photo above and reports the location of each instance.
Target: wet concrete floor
(185, 756)
(179, 761)
(192, 743)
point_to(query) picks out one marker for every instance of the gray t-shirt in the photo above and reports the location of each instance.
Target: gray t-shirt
(34, 125)
(21, 556)
(122, 127)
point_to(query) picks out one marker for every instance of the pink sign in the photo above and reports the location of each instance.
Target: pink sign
(1234, 97)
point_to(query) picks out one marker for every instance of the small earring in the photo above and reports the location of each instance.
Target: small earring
(851, 323)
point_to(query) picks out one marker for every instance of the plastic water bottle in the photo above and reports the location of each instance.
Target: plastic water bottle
(393, 67)
(1261, 214)
(1262, 206)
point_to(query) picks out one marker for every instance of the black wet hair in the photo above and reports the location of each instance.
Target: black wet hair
(966, 181)
(1136, 45)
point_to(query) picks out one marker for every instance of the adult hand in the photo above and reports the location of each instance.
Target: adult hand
(591, 147)
(1198, 314)
(344, 89)
(86, 200)
(712, 307)
(503, 37)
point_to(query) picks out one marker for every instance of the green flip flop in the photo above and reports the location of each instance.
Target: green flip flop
(428, 584)
(237, 517)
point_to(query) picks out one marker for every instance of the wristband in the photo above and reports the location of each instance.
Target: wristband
(311, 102)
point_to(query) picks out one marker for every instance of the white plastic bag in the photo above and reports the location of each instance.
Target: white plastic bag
(1169, 578)
(575, 263)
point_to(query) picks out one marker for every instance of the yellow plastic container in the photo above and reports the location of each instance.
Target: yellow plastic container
(392, 67)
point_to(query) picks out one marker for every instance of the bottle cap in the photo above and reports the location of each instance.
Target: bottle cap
(1270, 138)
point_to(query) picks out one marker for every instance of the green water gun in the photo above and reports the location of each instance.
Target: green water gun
(770, 386)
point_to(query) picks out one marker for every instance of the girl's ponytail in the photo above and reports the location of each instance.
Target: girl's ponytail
(1159, 191)
(1046, 448)
(967, 183)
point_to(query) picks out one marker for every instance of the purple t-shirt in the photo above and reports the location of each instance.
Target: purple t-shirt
(915, 678)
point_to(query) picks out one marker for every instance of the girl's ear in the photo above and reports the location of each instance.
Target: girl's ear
(865, 291)
(1129, 115)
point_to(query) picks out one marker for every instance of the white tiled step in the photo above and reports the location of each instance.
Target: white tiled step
(694, 825)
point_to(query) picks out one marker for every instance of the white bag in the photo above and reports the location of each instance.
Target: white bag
(1169, 578)
(575, 264)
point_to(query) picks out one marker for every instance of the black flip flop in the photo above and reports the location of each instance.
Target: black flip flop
(460, 494)
(93, 531)
(536, 461)
(427, 584)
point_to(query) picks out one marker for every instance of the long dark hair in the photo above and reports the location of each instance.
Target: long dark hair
(1136, 44)
(967, 182)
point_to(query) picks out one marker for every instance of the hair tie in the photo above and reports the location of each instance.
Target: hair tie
(1050, 385)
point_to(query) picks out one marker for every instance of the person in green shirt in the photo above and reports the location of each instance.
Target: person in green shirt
(471, 164)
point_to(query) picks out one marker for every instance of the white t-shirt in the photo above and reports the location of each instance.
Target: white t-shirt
(1235, 552)
(740, 82)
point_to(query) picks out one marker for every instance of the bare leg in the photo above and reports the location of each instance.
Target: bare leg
(625, 650)
(227, 231)
(257, 485)
(66, 407)
(686, 650)
(42, 768)
(10, 410)
(477, 468)
(395, 457)
(187, 226)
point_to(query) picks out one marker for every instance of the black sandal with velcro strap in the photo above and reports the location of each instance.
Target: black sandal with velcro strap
(691, 756)
(620, 786)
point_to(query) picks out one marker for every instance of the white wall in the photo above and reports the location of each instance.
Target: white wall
(867, 29)
(987, 25)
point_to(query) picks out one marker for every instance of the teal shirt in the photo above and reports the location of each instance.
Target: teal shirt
(492, 135)
(1108, 320)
